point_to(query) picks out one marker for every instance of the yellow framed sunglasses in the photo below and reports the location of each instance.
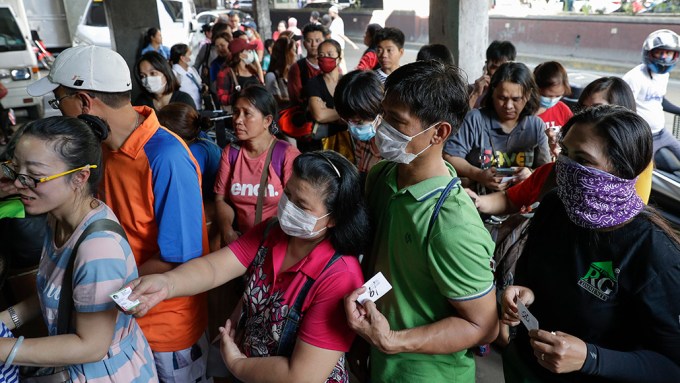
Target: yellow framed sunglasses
(31, 182)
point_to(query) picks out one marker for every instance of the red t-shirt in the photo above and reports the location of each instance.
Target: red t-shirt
(556, 116)
(240, 186)
(295, 81)
(527, 192)
(270, 292)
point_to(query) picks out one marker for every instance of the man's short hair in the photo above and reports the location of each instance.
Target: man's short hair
(393, 34)
(114, 100)
(309, 28)
(359, 93)
(500, 51)
(432, 91)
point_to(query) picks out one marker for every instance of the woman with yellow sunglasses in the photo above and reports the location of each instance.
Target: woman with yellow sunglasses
(55, 168)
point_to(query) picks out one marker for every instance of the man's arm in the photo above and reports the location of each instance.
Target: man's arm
(476, 323)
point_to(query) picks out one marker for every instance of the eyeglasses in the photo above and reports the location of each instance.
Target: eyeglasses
(31, 182)
(56, 102)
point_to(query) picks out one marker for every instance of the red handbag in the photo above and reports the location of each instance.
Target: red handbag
(293, 122)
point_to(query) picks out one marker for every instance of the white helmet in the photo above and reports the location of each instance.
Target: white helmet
(661, 39)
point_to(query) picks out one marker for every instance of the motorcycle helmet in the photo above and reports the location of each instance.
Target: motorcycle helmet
(661, 39)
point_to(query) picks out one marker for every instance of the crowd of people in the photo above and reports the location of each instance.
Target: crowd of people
(404, 169)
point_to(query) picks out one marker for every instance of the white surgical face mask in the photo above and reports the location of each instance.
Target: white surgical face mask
(392, 143)
(251, 56)
(153, 84)
(295, 221)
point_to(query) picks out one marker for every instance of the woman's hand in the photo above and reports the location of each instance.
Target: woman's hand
(521, 173)
(229, 235)
(151, 290)
(558, 352)
(553, 135)
(7, 187)
(473, 196)
(230, 351)
(509, 311)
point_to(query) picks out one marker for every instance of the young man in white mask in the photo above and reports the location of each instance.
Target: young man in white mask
(443, 301)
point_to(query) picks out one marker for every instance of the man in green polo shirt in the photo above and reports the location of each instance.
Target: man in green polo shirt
(443, 300)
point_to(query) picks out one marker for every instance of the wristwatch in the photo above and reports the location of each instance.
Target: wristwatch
(14, 316)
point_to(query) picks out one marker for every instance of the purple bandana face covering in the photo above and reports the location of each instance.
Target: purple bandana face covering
(595, 199)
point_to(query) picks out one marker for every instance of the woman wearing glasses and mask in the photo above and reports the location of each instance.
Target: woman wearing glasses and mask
(55, 167)
(298, 270)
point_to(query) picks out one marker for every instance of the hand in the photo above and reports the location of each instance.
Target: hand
(553, 141)
(473, 196)
(509, 310)
(558, 352)
(481, 84)
(7, 187)
(368, 322)
(491, 180)
(151, 290)
(229, 235)
(228, 348)
(521, 173)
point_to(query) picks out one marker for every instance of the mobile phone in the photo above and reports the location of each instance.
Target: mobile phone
(505, 171)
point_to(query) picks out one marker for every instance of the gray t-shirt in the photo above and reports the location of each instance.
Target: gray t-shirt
(482, 142)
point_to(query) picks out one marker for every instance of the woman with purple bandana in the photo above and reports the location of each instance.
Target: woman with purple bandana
(600, 271)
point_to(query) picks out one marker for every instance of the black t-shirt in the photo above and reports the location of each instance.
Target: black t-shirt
(144, 99)
(617, 290)
(316, 87)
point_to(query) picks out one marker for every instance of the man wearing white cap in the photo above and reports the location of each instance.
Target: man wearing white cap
(337, 29)
(152, 183)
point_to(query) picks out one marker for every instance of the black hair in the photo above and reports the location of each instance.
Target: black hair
(342, 196)
(516, 73)
(268, 43)
(149, 34)
(183, 120)
(160, 64)
(616, 92)
(309, 28)
(314, 15)
(437, 52)
(627, 136)
(77, 141)
(218, 29)
(389, 33)
(359, 93)
(501, 51)
(333, 43)
(177, 51)
(432, 91)
(115, 100)
(371, 30)
(552, 73)
(262, 100)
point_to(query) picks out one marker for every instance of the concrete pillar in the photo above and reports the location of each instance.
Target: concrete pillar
(463, 26)
(128, 20)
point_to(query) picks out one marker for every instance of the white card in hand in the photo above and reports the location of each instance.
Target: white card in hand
(121, 299)
(528, 319)
(376, 287)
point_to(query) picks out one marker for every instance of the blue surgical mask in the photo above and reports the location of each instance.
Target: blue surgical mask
(549, 102)
(362, 132)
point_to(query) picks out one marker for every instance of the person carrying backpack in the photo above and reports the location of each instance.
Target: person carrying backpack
(252, 175)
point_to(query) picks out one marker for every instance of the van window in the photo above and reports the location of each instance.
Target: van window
(11, 38)
(96, 15)
(174, 9)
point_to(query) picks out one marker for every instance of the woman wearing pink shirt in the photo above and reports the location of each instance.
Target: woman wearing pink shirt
(240, 177)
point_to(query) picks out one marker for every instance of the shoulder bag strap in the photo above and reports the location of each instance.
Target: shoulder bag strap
(292, 321)
(65, 309)
(263, 183)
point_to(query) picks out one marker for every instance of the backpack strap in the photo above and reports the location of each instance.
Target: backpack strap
(294, 317)
(262, 189)
(278, 156)
(442, 198)
(66, 295)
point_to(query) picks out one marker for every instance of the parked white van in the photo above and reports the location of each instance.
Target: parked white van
(18, 64)
(175, 18)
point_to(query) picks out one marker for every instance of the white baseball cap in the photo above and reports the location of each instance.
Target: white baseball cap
(85, 67)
